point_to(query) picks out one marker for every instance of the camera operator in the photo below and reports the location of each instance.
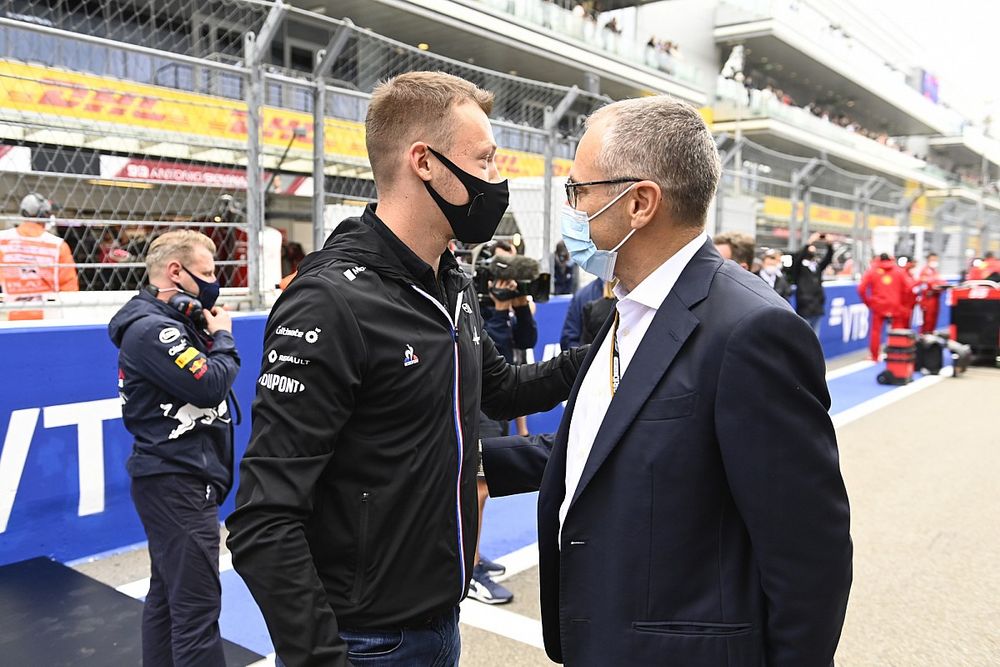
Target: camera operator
(509, 320)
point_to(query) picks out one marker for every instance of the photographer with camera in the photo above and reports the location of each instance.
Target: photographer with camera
(176, 366)
(508, 318)
(807, 274)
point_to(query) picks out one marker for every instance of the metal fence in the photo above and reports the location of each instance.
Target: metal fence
(787, 197)
(137, 117)
(231, 116)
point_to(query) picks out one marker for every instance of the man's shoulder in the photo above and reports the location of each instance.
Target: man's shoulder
(156, 329)
(744, 291)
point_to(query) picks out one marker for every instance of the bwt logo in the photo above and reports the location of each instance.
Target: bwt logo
(853, 319)
(88, 418)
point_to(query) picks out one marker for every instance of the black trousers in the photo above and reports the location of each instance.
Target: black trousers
(180, 621)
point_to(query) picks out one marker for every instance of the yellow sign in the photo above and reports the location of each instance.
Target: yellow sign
(86, 97)
(780, 208)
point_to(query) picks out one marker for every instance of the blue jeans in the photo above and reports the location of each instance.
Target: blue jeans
(438, 644)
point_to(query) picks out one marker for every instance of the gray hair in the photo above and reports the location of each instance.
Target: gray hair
(666, 141)
(179, 245)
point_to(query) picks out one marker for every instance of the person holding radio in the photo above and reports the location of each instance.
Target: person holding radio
(177, 363)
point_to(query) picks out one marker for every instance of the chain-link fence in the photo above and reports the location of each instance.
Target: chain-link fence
(134, 117)
(782, 199)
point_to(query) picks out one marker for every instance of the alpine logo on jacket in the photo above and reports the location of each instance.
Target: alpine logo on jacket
(410, 358)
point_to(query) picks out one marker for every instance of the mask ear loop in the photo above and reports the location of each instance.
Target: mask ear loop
(612, 202)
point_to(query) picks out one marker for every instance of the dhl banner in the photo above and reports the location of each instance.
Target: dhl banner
(781, 208)
(80, 100)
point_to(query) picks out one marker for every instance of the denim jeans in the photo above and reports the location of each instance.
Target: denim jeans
(438, 644)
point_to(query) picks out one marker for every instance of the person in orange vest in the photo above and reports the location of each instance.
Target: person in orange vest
(33, 261)
(883, 289)
(931, 287)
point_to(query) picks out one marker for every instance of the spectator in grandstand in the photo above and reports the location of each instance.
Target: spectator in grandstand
(176, 366)
(883, 289)
(33, 261)
(572, 330)
(691, 507)
(737, 247)
(564, 276)
(771, 272)
(807, 274)
(356, 515)
(511, 325)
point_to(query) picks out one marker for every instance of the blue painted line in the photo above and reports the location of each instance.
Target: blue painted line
(241, 621)
(509, 524)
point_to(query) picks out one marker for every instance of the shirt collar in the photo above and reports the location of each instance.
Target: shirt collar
(417, 268)
(652, 291)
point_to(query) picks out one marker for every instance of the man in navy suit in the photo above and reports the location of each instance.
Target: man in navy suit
(692, 510)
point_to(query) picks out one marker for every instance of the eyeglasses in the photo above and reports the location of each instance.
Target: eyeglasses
(572, 196)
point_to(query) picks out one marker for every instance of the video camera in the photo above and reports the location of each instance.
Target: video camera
(488, 267)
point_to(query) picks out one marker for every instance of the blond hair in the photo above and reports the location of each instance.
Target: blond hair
(416, 106)
(179, 245)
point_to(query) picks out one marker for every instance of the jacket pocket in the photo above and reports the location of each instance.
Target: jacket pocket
(693, 628)
(362, 564)
(671, 407)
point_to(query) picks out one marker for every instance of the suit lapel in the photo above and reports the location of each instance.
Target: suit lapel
(666, 335)
(554, 488)
(671, 326)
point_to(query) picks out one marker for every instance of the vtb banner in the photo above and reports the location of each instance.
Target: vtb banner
(86, 103)
(64, 491)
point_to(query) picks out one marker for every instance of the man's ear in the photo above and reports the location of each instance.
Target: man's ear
(173, 271)
(418, 159)
(644, 203)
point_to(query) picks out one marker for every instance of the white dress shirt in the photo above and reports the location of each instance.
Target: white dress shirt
(636, 310)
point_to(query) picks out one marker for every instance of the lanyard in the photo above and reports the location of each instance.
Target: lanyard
(616, 364)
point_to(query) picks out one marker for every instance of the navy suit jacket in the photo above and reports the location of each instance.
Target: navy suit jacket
(711, 524)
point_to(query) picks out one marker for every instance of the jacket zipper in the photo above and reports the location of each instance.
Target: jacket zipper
(459, 434)
(359, 575)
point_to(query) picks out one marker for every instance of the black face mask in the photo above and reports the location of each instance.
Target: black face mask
(477, 221)
(208, 293)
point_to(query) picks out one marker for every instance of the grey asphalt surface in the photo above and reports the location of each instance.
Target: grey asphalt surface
(923, 476)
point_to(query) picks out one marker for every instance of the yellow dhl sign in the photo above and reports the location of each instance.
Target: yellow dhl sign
(85, 97)
(781, 209)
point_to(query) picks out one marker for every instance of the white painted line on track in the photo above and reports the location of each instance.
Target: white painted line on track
(518, 561)
(140, 587)
(500, 622)
(875, 404)
(850, 368)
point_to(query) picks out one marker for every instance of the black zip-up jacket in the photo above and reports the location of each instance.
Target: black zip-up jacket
(174, 387)
(810, 299)
(357, 503)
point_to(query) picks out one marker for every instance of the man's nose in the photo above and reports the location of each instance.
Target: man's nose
(494, 173)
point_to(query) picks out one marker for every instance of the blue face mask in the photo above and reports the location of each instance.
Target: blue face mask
(583, 251)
